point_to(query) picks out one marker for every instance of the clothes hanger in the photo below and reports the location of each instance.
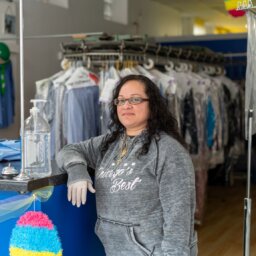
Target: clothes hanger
(179, 67)
(149, 64)
(169, 66)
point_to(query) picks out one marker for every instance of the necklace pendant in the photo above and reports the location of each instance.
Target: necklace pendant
(123, 153)
(123, 150)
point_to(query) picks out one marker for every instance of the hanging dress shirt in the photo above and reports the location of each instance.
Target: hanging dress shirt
(7, 98)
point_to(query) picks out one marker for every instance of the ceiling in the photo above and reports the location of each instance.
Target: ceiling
(210, 11)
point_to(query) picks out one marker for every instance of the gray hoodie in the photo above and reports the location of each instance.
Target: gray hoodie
(145, 204)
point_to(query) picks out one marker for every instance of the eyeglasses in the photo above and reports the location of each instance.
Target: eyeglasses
(132, 101)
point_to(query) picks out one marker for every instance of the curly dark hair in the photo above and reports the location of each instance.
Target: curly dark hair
(160, 118)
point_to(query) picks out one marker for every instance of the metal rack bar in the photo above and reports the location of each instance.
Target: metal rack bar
(237, 54)
(248, 6)
(74, 35)
(22, 175)
(80, 35)
(21, 40)
(137, 48)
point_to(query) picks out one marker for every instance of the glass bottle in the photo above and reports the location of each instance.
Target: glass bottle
(37, 143)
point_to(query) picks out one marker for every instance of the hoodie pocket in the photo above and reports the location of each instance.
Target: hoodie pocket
(138, 244)
(118, 238)
(96, 226)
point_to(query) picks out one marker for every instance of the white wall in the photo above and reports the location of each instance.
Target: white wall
(82, 16)
(155, 19)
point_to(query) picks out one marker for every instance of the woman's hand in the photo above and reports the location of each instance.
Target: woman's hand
(77, 192)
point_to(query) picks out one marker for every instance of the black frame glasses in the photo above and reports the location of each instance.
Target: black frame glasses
(132, 101)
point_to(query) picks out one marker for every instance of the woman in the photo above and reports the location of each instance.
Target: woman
(144, 177)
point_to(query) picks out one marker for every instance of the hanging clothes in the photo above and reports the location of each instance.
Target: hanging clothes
(81, 108)
(72, 107)
(7, 95)
(108, 81)
(78, 108)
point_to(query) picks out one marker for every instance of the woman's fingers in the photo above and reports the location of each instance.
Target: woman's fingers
(90, 188)
(69, 193)
(78, 196)
(84, 194)
(74, 193)
(77, 192)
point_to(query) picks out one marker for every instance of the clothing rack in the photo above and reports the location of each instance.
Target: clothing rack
(139, 51)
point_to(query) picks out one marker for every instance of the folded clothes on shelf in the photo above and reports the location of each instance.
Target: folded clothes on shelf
(10, 150)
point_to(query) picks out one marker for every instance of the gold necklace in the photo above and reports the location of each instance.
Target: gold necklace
(123, 149)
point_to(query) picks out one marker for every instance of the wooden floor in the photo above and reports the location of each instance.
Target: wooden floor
(222, 231)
